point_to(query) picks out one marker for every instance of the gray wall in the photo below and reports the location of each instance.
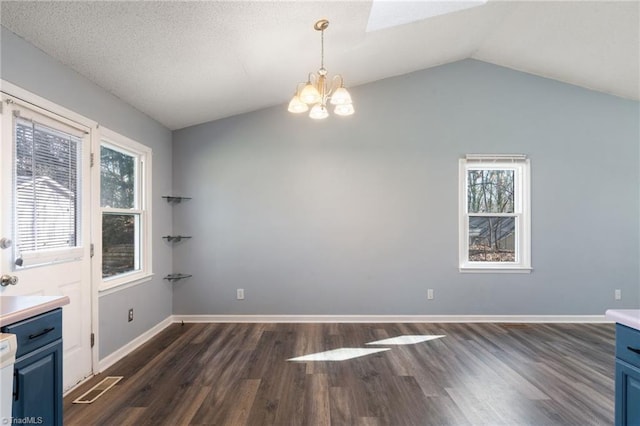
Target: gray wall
(30, 68)
(359, 215)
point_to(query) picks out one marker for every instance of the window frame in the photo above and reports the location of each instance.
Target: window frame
(142, 208)
(47, 256)
(521, 166)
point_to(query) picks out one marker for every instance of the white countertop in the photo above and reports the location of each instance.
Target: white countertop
(628, 317)
(18, 308)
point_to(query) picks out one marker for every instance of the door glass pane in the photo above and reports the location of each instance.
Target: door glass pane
(46, 187)
(490, 191)
(117, 179)
(492, 239)
(119, 241)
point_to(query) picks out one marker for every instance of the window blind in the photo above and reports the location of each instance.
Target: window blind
(46, 187)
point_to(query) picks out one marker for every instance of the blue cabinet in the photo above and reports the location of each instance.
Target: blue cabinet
(37, 382)
(627, 376)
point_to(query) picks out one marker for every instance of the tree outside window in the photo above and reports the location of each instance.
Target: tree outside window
(122, 212)
(494, 213)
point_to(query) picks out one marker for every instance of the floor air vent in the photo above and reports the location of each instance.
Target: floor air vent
(98, 390)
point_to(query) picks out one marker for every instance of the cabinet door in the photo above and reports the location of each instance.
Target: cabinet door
(627, 394)
(38, 386)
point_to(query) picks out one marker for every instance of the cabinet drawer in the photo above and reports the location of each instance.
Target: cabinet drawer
(628, 344)
(36, 332)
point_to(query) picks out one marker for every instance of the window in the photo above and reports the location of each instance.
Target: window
(47, 173)
(494, 214)
(125, 177)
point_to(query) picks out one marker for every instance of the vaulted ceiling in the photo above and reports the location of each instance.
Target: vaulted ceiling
(184, 63)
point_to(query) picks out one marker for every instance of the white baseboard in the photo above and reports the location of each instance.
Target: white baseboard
(392, 318)
(125, 350)
(116, 356)
(66, 392)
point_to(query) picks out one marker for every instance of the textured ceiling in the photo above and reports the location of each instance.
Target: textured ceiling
(185, 63)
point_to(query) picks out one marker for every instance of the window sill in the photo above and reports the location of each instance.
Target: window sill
(495, 270)
(124, 283)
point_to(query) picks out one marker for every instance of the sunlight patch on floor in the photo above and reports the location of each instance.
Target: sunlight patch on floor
(341, 354)
(406, 340)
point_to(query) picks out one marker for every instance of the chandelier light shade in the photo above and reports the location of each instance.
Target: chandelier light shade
(319, 90)
(296, 105)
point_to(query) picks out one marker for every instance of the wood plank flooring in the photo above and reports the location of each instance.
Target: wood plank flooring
(479, 374)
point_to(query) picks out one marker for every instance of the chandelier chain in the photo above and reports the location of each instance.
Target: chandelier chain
(322, 49)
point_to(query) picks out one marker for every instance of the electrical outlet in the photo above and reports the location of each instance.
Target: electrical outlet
(240, 294)
(130, 314)
(617, 294)
(430, 294)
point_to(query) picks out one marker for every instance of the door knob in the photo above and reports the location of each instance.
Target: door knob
(5, 243)
(6, 280)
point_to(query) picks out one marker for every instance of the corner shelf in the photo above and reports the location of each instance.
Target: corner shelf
(177, 277)
(175, 199)
(176, 238)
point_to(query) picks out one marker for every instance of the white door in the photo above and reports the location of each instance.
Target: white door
(45, 189)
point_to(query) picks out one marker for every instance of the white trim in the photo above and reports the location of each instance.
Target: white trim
(131, 283)
(143, 209)
(33, 114)
(391, 318)
(496, 157)
(125, 350)
(521, 166)
(495, 270)
(66, 392)
(122, 143)
(95, 304)
(33, 259)
(71, 118)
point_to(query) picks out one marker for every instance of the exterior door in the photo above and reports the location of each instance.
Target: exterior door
(45, 212)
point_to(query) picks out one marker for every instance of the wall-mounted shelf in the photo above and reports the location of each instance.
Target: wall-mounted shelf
(176, 238)
(172, 199)
(175, 199)
(176, 277)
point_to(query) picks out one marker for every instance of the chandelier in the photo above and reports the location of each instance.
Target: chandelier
(319, 89)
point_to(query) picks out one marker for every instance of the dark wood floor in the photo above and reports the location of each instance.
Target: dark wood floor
(479, 374)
